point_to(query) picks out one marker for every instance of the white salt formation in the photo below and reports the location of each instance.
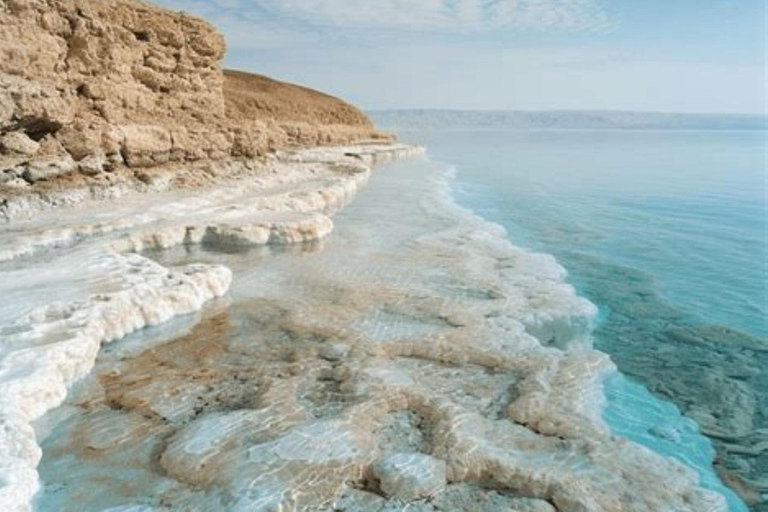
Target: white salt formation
(46, 352)
(50, 347)
(416, 359)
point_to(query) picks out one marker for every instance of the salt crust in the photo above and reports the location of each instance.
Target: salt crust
(549, 443)
(46, 351)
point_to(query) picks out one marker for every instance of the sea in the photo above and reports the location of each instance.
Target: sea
(666, 231)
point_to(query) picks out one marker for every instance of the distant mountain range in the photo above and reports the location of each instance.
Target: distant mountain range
(564, 120)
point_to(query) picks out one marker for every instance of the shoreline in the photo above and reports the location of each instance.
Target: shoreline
(557, 377)
(641, 244)
(659, 431)
(706, 365)
(24, 204)
(51, 347)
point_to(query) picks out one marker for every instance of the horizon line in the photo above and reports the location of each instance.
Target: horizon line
(565, 110)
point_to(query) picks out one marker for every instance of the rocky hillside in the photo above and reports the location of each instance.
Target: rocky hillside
(89, 87)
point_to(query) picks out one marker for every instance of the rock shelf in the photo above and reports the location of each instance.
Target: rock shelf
(44, 351)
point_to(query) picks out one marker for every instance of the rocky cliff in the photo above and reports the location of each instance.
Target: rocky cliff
(92, 89)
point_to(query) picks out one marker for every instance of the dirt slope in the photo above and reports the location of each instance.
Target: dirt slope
(257, 96)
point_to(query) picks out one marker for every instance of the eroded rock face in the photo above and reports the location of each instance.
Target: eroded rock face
(85, 72)
(18, 143)
(140, 86)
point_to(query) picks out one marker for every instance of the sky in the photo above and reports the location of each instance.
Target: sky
(643, 55)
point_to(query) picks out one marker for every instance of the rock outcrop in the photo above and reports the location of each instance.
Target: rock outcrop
(90, 87)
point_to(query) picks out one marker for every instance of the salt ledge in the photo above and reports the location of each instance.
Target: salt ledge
(45, 352)
(293, 452)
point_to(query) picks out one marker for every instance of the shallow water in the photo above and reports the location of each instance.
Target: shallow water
(686, 208)
(666, 232)
(395, 285)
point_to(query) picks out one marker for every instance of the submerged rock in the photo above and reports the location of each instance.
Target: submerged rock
(409, 476)
(45, 352)
(253, 408)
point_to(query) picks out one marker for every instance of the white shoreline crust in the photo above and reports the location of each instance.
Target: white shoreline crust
(514, 320)
(48, 350)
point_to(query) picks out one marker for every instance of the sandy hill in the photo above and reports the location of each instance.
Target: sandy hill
(253, 96)
(288, 114)
(89, 87)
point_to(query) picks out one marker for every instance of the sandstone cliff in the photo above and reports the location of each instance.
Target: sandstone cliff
(95, 89)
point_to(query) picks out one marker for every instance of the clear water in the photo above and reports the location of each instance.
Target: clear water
(270, 276)
(687, 208)
(634, 413)
(667, 233)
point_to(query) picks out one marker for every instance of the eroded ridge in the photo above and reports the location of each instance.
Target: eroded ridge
(52, 346)
(427, 364)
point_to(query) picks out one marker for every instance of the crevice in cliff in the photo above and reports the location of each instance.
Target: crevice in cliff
(37, 128)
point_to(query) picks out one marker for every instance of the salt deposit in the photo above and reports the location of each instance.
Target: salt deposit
(45, 347)
(416, 337)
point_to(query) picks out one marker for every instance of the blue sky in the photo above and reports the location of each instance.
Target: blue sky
(648, 55)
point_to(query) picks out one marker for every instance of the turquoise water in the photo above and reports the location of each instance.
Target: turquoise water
(687, 208)
(666, 232)
(633, 413)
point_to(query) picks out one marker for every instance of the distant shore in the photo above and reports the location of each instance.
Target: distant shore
(420, 119)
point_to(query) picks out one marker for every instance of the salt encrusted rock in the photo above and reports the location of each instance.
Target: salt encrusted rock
(531, 505)
(44, 370)
(355, 500)
(91, 165)
(334, 352)
(130, 508)
(410, 476)
(505, 415)
(18, 142)
(152, 293)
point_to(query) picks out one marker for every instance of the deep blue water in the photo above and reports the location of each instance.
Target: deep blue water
(667, 232)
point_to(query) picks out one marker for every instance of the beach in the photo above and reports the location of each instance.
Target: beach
(432, 346)
(221, 291)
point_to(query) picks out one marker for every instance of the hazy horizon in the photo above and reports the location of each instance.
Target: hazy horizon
(414, 119)
(568, 110)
